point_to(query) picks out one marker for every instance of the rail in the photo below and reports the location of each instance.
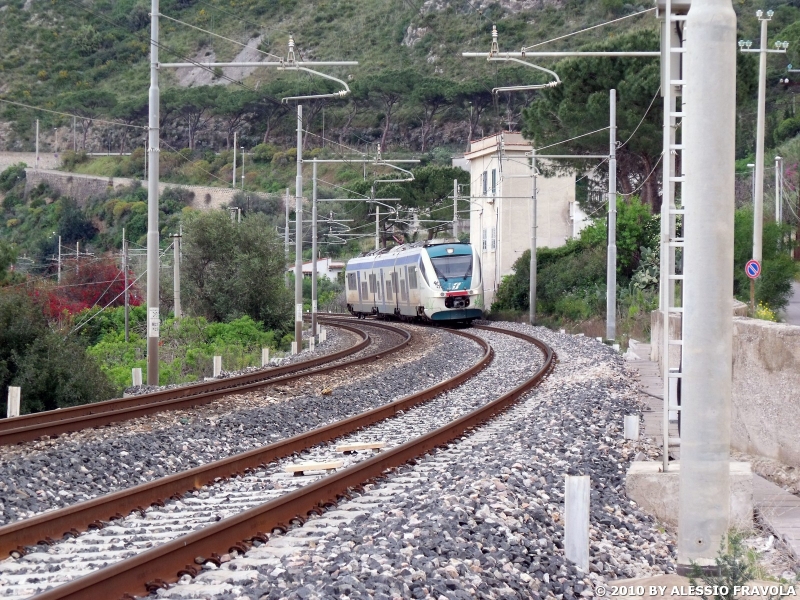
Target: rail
(163, 563)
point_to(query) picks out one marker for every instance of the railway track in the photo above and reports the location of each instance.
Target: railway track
(288, 503)
(30, 427)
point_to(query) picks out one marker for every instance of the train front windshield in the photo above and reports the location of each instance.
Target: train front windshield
(454, 266)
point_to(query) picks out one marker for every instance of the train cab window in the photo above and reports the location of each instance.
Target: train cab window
(363, 289)
(412, 278)
(422, 272)
(351, 282)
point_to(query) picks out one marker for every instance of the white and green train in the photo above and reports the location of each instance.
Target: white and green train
(430, 281)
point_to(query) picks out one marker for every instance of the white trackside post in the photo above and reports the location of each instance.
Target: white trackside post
(576, 520)
(14, 394)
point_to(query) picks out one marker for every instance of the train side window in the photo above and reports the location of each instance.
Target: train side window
(351, 282)
(363, 289)
(372, 284)
(403, 290)
(412, 278)
(389, 291)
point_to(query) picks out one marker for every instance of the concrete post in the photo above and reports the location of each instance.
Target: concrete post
(314, 252)
(709, 138)
(217, 366)
(59, 259)
(286, 238)
(758, 200)
(631, 431)
(37, 144)
(377, 227)
(264, 357)
(14, 394)
(532, 265)
(455, 208)
(778, 190)
(311, 344)
(176, 275)
(125, 271)
(153, 317)
(233, 182)
(136, 376)
(611, 265)
(294, 348)
(576, 521)
(298, 227)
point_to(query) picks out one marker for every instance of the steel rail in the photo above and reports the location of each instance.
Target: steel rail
(154, 568)
(196, 394)
(52, 525)
(187, 390)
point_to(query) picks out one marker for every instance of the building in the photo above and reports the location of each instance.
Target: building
(326, 267)
(501, 201)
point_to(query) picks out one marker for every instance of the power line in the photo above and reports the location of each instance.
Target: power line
(63, 114)
(524, 48)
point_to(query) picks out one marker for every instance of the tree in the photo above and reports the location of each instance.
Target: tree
(234, 269)
(52, 369)
(193, 107)
(387, 89)
(474, 96)
(581, 104)
(233, 107)
(432, 95)
(89, 105)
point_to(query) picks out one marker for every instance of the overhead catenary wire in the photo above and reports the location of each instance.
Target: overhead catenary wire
(64, 114)
(561, 37)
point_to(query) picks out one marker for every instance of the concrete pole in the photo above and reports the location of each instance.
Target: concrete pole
(233, 182)
(242, 168)
(532, 266)
(758, 201)
(74, 135)
(37, 143)
(778, 200)
(153, 317)
(77, 256)
(455, 208)
(611, 265)
(298, 243)
(176, 274)
(59, 259)
(125, 271)
(377, 227)
(286, 238)
(709, 136)
(314, 253)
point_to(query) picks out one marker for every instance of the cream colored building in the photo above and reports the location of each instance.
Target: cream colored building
(500, 206)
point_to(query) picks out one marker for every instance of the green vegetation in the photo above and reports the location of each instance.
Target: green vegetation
(188, 345)
(234, 269)
(50, 366)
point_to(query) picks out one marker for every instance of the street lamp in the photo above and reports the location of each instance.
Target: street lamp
(758, 188)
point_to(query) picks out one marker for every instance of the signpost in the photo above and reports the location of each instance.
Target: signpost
(753, 270)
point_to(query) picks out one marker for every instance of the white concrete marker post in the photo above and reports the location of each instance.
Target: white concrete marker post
(136, 375)
(294, 348)
(14, 394)
(576, 520)
(631, 427)
(264, 357)
(217, 366)
(311, 344)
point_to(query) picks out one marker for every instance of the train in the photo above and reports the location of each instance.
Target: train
(434, 281)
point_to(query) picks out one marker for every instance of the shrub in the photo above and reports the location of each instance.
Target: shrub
(12, 176)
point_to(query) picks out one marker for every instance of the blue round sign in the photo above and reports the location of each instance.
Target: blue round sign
(753, 269)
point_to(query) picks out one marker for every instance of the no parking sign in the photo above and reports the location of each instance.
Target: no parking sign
(753, 269)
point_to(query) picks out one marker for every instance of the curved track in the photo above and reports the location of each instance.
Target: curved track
(166, 561)
(30, 427)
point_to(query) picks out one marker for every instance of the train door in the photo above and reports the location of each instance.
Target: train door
(413, 286)
(383, 291)
(404, 285)
(358, 289)
(396, 289)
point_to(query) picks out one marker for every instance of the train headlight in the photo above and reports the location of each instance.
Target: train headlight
(442, 294)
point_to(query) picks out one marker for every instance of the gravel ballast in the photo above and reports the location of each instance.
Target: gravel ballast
(76, 467)
(483, 518)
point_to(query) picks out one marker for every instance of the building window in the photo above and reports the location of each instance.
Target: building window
(484, 239)
(494, 182)
(494, 238)
(485, 182)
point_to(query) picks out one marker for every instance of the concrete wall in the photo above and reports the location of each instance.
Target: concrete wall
(766, 389)
(765, 409)
(82, 187)
(47, 160)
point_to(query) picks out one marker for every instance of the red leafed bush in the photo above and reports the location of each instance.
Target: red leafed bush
(96, 283)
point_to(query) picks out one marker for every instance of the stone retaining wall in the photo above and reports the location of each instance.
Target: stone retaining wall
(82, 187)
(765, 408)
(47, 160)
